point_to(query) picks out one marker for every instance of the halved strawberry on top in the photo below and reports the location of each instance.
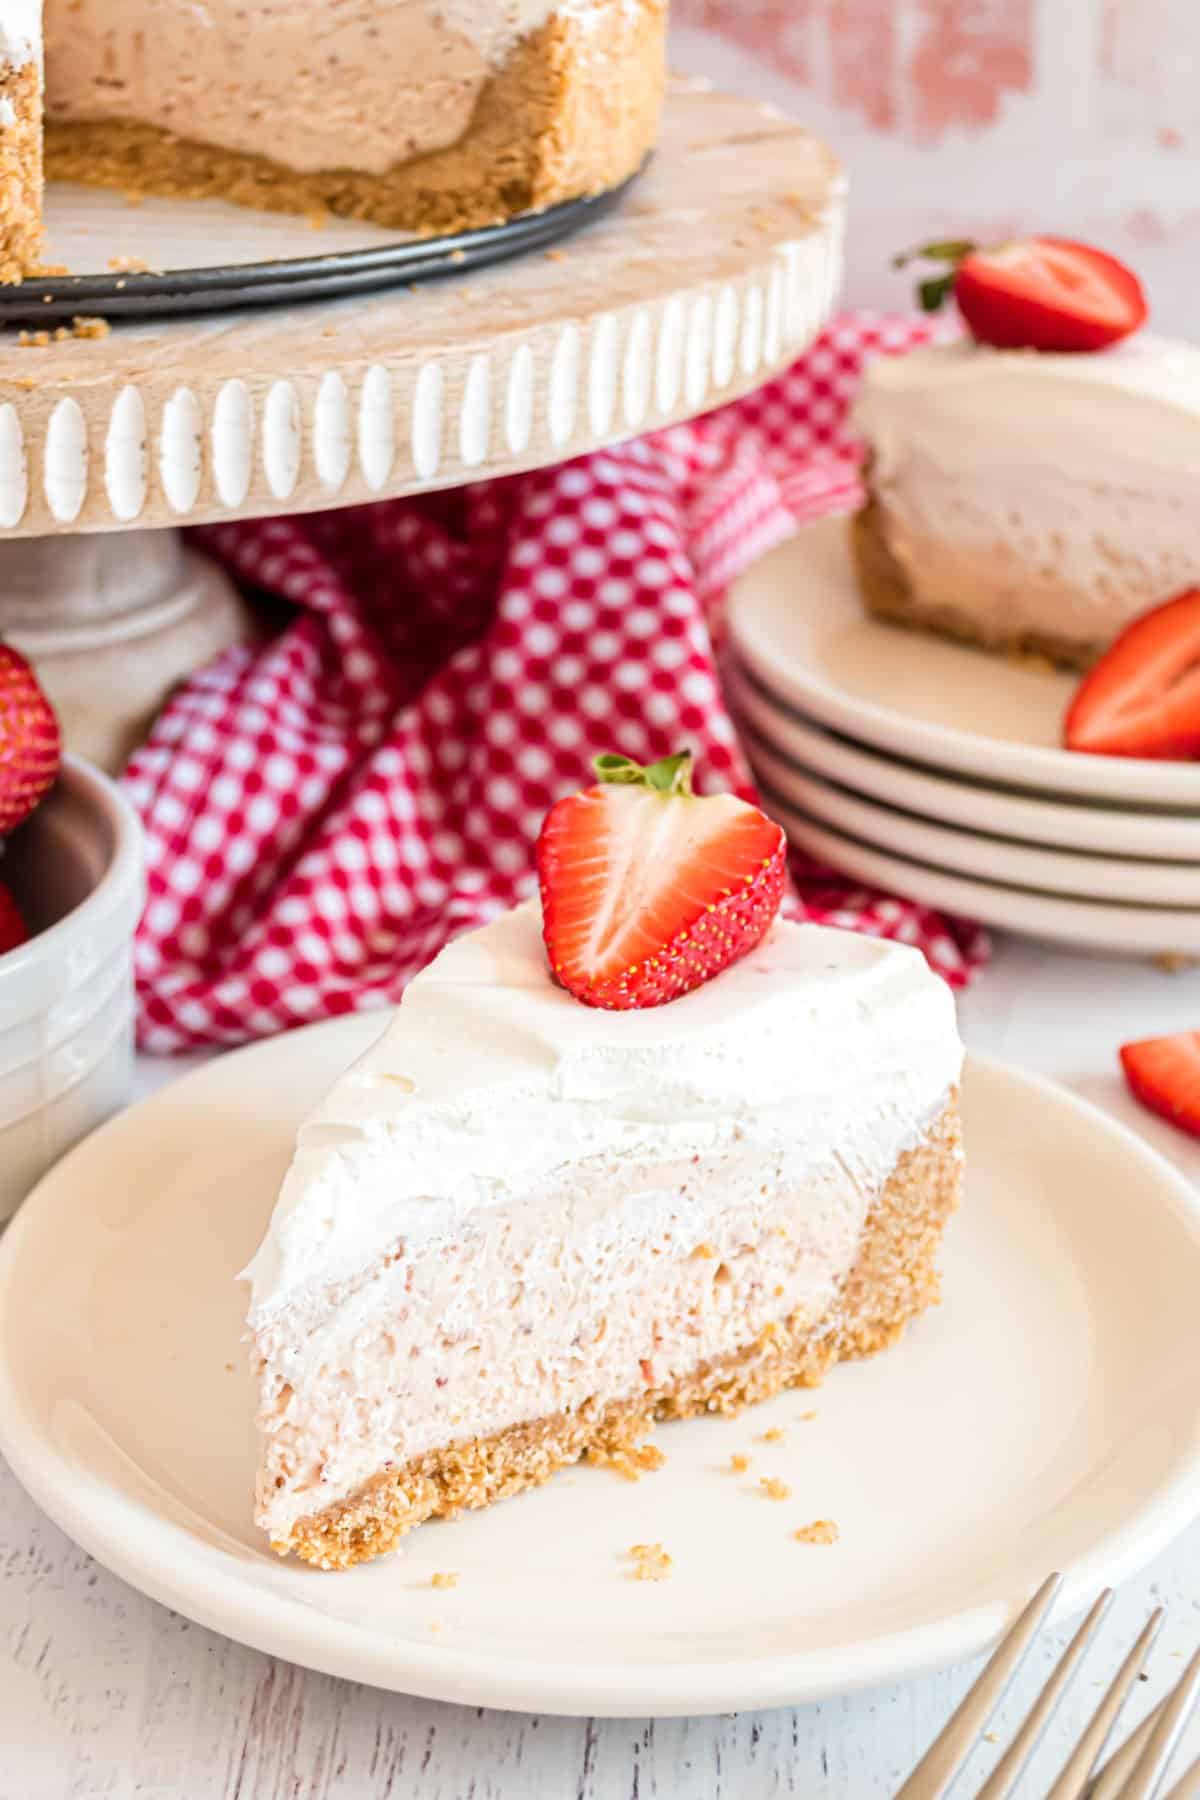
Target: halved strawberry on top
(1143, 697)
(1036, 293)
(1164, 1074)
(649, 890)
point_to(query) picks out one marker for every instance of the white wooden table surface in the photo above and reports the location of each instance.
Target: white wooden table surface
(104, 1693)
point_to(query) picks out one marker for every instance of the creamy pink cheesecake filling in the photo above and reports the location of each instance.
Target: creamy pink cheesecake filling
(654, 1270)
(360, 85)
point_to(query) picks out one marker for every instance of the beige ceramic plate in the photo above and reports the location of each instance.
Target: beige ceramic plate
(1121, 881)
(1069, 824)
(798, 624)
(1044, 1417)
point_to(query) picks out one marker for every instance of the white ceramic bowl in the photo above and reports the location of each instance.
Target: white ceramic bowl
(66, 996)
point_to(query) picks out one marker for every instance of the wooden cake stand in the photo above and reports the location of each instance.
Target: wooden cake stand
(714, 272)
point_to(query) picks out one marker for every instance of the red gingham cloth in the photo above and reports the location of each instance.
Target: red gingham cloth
(325, 812)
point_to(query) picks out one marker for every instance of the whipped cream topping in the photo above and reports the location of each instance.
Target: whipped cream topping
(494, 26)
(20, 31)
(491, 1083)
(1058, 491)
(1144, 366)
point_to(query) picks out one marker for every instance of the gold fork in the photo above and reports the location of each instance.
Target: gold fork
(1134, 1772)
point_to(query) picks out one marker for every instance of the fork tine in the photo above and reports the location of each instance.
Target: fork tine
(1005, 1775)
(950, 1750)
(1188, 1786)
(1074, 1775)
(1153, 1762)
(1108, 1783)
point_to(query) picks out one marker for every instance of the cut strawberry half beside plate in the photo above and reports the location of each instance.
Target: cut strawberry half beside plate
(1039, 293)
(649, 890)
(1143, 697)
(1164, 1074)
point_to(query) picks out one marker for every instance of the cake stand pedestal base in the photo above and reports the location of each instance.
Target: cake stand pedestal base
(112, 622)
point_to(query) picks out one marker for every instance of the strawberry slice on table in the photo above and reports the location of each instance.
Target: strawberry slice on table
(1143, 697)
(30, 747)
(12, 925)
(1039, 293)
(1164, 1074)
(649, 890)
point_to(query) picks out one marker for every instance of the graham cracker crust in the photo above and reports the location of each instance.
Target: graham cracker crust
(21, 174)
(894, 1278)
(573, 111)
(888, 594)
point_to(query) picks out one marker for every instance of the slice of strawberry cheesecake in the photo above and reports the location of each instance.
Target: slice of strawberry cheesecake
(1031, 486)
(639, 1152)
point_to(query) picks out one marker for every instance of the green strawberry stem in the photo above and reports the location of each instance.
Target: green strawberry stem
(934, 292)
(673, 775)
(950, 250)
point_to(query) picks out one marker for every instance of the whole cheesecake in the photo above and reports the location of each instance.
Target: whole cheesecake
(424, 115)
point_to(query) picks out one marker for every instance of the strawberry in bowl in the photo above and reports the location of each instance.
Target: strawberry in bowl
(1037, 293)
(30, 745)
(30, 753)
(649, 890)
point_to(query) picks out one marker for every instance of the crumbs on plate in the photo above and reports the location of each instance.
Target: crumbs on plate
(821, 1531)
(651, 1562)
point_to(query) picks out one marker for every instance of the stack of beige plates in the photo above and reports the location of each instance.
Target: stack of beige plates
(937, 773)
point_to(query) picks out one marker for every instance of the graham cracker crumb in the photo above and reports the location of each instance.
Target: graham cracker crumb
(444, 1578)
(739, 1464)
(80, 327)
(229, 1368)
(131, 197)
(774, 1436)
(457, 256)
(705, 1252)
(805, 1418)
(1172, 962)
(990, 1737)
(556, 256)
(773, 1488)
(821, 1531)
(129, 265)
(318, 219)
(651, 1562)
(629, 1461)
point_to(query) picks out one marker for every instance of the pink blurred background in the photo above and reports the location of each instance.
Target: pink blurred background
(982, 117)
